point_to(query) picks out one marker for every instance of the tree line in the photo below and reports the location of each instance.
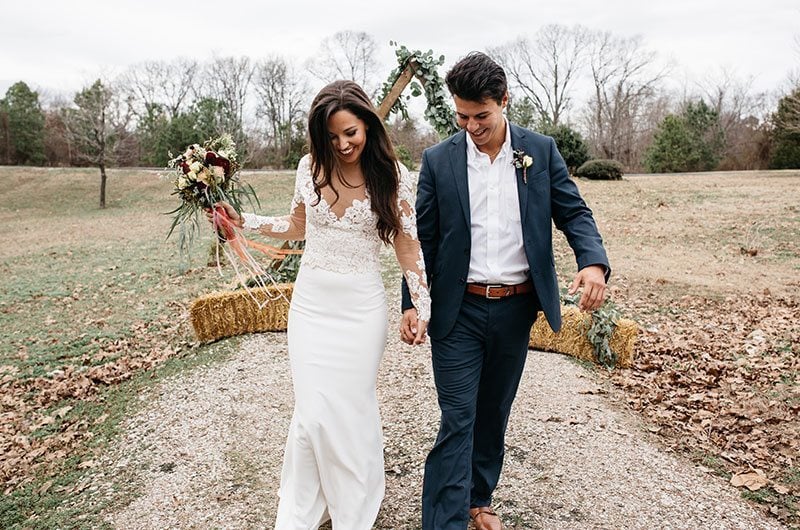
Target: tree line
(608, 96)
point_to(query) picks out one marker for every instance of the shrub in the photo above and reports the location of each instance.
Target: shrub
(600, 169)
(570, 144)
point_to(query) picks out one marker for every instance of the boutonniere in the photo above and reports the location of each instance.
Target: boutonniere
(522, 161)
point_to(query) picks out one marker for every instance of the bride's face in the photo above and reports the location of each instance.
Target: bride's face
(348, 134)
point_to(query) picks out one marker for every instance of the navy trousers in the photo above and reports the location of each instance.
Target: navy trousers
(477, 369)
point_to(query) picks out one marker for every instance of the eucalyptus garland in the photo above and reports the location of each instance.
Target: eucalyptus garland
(599, 331)
(425, 68)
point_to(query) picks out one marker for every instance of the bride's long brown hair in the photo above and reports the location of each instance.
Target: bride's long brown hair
(378, 160)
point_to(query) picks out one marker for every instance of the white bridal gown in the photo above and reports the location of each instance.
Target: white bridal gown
(333, 462)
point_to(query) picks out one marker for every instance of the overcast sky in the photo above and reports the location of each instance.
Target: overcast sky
(62, 45)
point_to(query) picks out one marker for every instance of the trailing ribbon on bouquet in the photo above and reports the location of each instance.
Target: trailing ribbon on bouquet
(235, 247)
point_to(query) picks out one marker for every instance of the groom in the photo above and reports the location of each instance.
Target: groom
(485, 201)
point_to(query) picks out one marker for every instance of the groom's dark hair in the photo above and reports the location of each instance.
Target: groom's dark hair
(477, 77)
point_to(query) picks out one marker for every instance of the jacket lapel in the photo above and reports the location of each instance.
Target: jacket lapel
(518, 143)
(458, 162)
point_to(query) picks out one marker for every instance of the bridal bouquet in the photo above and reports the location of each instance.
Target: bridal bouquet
(203, 176)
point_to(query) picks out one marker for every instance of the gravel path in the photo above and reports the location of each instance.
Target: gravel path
(206, 451)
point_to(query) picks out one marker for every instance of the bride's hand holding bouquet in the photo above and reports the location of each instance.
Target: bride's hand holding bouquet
(223, 208)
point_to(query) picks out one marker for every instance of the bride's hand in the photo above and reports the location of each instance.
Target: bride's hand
(412, 330)
(235, 218)
(422, 330)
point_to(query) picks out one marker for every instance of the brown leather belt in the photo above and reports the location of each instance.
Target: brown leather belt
(497, 291)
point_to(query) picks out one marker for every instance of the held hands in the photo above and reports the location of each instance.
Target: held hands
(229, 210)
(412, 330)
(593, 281)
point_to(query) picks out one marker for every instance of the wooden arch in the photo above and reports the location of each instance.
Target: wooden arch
(400, 84)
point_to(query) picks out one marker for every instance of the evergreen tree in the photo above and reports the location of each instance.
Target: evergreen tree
(152, 133)
(160, 134)
(5, 139)
(521, 112)
(207, 115)
(691, 141)
(24, 132)
(706, 134)
(786, 134)
(671, 147)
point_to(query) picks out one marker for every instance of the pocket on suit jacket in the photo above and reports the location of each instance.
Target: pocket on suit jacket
(542, 178)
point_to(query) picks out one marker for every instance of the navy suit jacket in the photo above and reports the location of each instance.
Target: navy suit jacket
(443, 224)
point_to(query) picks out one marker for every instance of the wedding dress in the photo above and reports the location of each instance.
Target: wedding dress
(333, 461)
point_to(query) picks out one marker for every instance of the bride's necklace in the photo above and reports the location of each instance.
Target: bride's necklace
(347, 184)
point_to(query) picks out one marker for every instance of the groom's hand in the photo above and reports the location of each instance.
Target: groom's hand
(412, 330)
(593, 281)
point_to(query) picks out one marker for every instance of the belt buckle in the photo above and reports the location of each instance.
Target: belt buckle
(498, 286)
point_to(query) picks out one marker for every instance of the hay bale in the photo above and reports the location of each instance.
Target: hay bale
(229, 313)
(571, 340)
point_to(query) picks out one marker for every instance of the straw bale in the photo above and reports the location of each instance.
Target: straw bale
(229, 313)
(571, 340)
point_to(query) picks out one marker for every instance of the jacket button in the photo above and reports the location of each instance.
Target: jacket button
(462, 280)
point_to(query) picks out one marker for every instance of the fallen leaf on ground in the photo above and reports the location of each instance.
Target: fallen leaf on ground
(752, 481)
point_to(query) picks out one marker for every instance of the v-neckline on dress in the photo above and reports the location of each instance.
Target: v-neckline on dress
(353, 204)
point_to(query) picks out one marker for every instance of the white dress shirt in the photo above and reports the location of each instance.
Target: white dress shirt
(498, 255)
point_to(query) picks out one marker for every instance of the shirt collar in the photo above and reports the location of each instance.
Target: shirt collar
(473, 152)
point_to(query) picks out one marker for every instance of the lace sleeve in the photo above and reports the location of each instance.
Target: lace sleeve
(289, 227)
(407, 249)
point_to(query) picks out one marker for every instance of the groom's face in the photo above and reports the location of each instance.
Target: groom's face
(483, 120)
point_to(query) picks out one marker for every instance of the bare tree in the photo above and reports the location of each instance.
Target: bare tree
(167, 86)
(347, 55)
(282, 96)
(229, 81)
(546, 69)
(741, 116)
(97, 125)
(410, 140)
(625, 88)
(731, 97)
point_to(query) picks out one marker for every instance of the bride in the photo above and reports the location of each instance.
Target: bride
(351, 195)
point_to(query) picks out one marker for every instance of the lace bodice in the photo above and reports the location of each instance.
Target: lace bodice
(349, 243)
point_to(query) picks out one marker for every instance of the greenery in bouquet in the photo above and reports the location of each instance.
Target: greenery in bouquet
(202, 176)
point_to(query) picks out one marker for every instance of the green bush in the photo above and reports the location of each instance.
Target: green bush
(600, 169)
(570, 144)
(785, 151)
